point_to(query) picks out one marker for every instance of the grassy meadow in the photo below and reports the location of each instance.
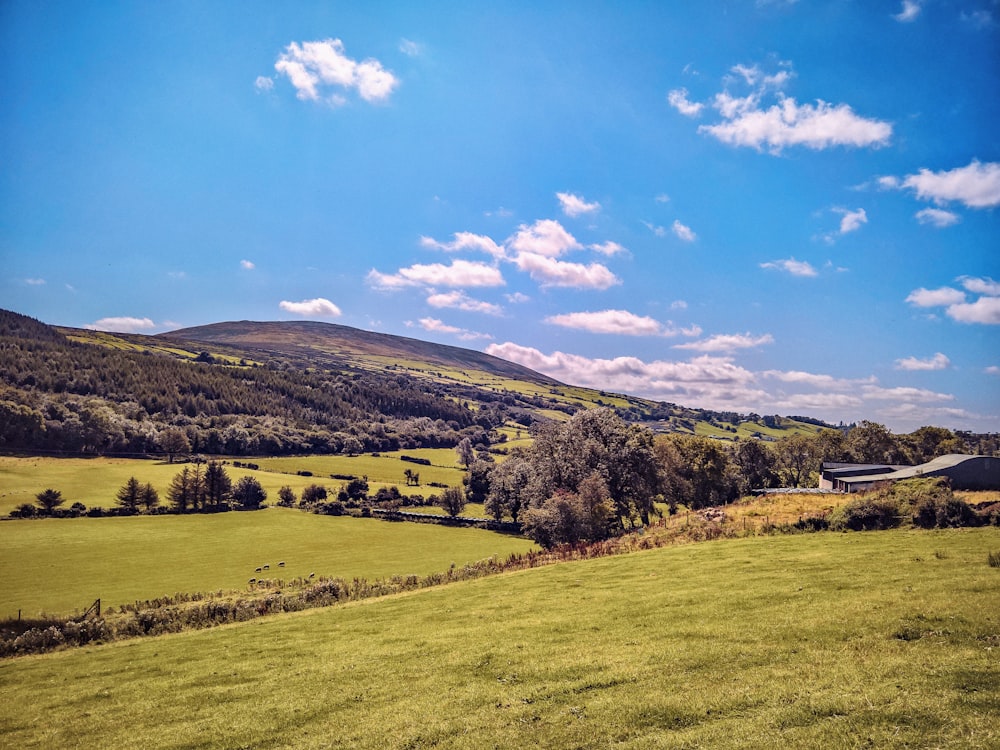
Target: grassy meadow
(881, 639)
(61, 565)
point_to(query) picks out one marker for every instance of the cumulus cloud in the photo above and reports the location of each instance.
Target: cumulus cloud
(123, 324)
(748, 121)
(247, 265)
(851, 220)
(937, 217)
(620, 322)
(683, 232)
(909, 11)
(545, 237)
(465, 241)
(313, 68)
(460, 273)
(435, 325)
(938, 362)
(574, 205)
(792, 266)
(608, 248)
(985, 309)
(311, 308)
(975, 186)
(678, 99)
(727, 342)
(549, 272)
(459, 300)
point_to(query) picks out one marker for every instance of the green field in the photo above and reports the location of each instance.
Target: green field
(886, 640)
(94, 481)
(62, 565)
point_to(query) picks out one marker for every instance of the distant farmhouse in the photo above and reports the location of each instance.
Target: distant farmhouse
(964, 472)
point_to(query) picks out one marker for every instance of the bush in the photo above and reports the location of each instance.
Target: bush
(944, 513)
(869, 513)
(993, 558)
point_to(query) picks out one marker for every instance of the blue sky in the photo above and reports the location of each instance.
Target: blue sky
(768, 206)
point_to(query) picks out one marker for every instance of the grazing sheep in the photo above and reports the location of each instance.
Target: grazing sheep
(312, 575)
(252, 580)
(281, 564)
(267, 567)
(257, 570)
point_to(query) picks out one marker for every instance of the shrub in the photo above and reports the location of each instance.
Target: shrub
(943, 513)
(869, 513)
(993, 558)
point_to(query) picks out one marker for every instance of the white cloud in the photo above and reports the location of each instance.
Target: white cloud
(935, 297)
(678, 304)
(851, 220)
(545, 237)
(976, 185)
(608, 248)
(816, 126)
(263, 83)
(903, 393)
(937, 217)
(465, 241)
(313, 65)
(727, 342)
(984, 310)
(909, 11)
(662, 198)
(35, 282)
(574, 205)
(548, 272)
(815, 380)
(437, 326)
(792, 266)
(311, 308)
(657, 230)
(517, 298)
(992, 370)
(461, 273)
(123, 324)
(459, 300)
(620, 322)
(986, 286)
(678, 99)
(683, 232)
(247, 265)
(938, 362)
(410, 48)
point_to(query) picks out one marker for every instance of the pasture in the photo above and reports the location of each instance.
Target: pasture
(882, 639)
(384, 469)
(61, 565)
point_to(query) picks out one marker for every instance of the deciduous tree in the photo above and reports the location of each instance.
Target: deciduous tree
(249, 493)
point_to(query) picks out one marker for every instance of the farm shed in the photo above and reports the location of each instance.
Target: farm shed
(964, 472)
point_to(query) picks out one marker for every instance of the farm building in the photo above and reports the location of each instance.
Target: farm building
(964, 472)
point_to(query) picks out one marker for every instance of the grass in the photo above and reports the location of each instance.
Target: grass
(62, 565)
(94, 481)
(823, 640)
(386, 468)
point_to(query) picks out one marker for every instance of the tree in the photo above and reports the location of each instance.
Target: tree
(313, 494)
(872, 443)
(149, 497)
(508, 492)
(129, 495)
(286, 497)
(49, 500)
(570, 518)
(173, 441)
(477, 481)
(452, 500)
(756, 466)
(696, 471)
(465, 452)
(798, 459)
(248, 493)
(185, 490)
(218, 485)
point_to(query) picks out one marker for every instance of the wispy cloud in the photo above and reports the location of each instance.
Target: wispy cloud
(410, 48)
(124, 324)
(792, 266)
(683, 232)
(574, 205)
(851, 221)
(465, 241)
(657, 230)
(314, 68)
(678, 99)
(459, 300)
(247, 265)
(608, 248)
(619, 322)
(434, 325)
(263, 84)
(938, 362)
(460, 273)
(909, 12)
(727, 342)
(311, 308)
(937, 217)
(517, 298)
(35, 282)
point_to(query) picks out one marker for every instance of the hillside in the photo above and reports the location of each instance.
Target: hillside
(275, 388)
